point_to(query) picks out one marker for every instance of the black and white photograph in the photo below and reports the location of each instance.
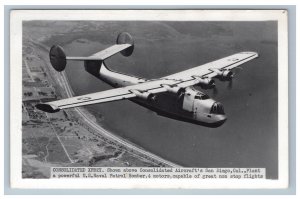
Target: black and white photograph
(186, 94)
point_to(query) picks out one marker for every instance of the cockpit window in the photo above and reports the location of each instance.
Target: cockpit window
(198, 97)
(217, 108)
(201, 96)
(204, 96)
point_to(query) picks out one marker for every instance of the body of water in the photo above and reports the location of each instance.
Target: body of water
(248, 138)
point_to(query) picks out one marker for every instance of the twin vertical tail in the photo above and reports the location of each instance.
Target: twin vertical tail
(124, 45)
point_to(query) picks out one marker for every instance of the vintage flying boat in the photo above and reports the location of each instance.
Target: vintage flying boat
(171, 96)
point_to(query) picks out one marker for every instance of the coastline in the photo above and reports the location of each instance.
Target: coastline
(88, 121)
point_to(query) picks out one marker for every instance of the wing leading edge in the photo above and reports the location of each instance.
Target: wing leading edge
(190, 77)
(205, 70)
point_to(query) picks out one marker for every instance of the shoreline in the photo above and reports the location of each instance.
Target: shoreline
(83, 114)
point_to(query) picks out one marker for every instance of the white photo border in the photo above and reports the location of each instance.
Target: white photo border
(205, 15)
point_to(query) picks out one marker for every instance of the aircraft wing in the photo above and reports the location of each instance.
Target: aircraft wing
(143, 90)
(208, 70)
(147, 89)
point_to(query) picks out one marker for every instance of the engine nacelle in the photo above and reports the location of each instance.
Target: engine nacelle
(227, 74)
(173, 89)
(144, 95)
(205, 83)
(224, 74)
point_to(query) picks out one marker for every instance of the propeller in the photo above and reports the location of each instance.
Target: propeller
(230, 81)
(229, 85)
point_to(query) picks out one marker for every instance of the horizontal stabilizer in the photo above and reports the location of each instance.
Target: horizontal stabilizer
(104, 54)
(124, 45)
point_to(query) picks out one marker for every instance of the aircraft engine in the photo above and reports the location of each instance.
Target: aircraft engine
(144, 95)
(205, 83)
(224, 74)
(173, 89)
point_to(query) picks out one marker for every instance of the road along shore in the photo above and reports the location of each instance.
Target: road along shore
(66, 91)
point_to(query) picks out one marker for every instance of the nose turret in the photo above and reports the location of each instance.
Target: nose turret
(209, 112)
(218, 114)
(217, 108)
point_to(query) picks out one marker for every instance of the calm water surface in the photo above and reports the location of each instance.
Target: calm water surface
(249, 136)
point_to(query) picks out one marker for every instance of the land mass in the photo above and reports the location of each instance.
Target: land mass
(72, 137)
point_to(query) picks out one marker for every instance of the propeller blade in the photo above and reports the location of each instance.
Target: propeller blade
(229, 86)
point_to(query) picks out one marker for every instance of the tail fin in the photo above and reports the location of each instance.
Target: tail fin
(124, 45)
